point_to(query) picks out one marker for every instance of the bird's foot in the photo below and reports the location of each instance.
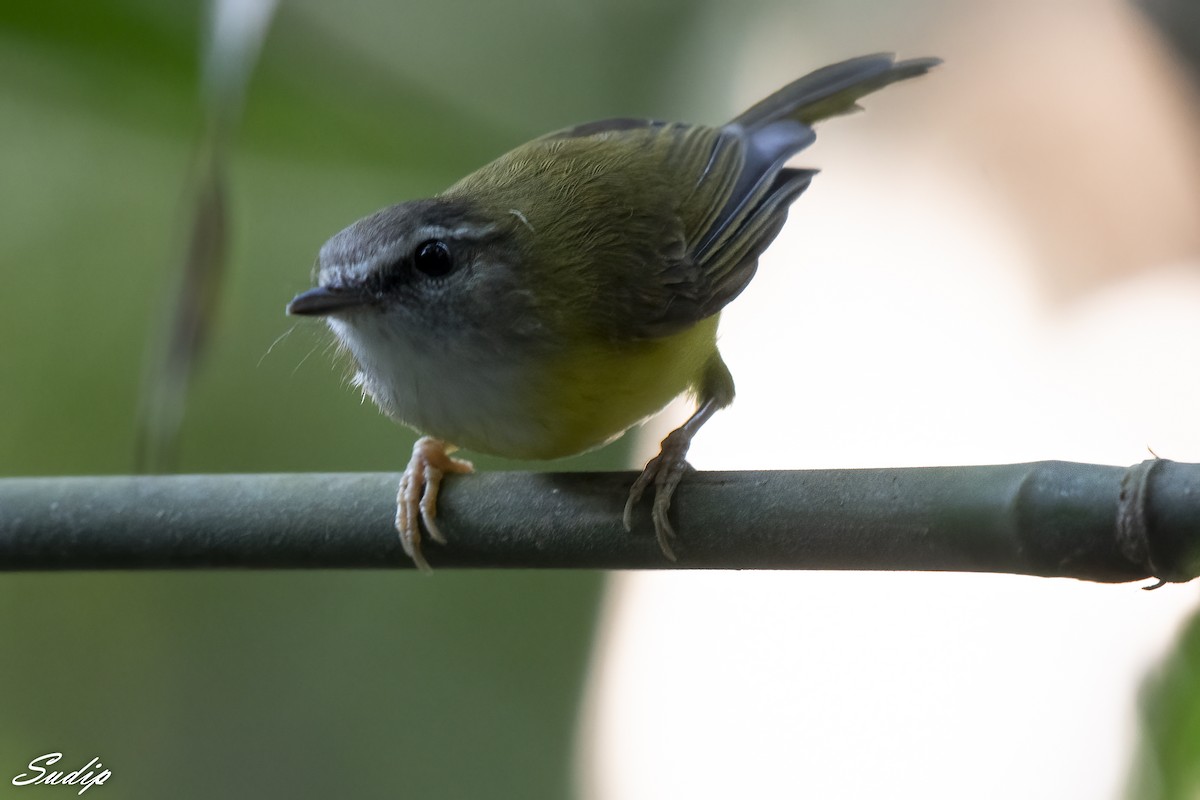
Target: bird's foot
(665, 471)
(416, 499)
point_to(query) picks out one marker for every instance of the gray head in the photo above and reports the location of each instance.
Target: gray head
(426, 269)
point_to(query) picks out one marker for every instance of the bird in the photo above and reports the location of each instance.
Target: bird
(570, 289)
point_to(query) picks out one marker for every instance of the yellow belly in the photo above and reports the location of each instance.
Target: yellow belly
(603, 389)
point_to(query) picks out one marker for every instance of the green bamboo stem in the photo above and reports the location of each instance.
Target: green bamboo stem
(1051, 518)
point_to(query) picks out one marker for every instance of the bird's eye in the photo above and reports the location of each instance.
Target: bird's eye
(433, 258)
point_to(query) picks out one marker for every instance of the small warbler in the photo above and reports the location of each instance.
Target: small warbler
(551, 300)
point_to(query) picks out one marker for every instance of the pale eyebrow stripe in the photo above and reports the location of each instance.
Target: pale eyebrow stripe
(462, 233)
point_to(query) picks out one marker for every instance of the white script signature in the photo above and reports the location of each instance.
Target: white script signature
(89, 775)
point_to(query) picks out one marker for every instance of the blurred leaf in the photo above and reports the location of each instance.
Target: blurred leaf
(1168, 762)
(237, 29)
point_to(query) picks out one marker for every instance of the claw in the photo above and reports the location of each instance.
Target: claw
(665, 471)
(416, 497)
(635, 494)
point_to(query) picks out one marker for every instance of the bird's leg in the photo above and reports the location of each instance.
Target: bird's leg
(665, 471)
(416, 499)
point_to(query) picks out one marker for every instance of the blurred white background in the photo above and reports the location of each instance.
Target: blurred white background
(997, 264)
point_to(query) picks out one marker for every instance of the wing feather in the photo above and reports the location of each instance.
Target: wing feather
(659, 225)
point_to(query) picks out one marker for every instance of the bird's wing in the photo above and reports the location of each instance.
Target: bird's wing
(666, 221)
(669, 219)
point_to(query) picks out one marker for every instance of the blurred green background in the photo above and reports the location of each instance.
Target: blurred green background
(278, 685)
(269, 685)
(306, 684)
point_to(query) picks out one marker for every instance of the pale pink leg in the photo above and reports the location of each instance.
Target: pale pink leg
(416, 499)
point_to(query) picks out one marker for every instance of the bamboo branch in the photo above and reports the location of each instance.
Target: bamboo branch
(1049, 518)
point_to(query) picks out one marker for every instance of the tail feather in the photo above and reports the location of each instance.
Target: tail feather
(767, 135)
(833, 90)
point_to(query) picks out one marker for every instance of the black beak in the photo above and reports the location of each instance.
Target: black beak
(325, 300)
